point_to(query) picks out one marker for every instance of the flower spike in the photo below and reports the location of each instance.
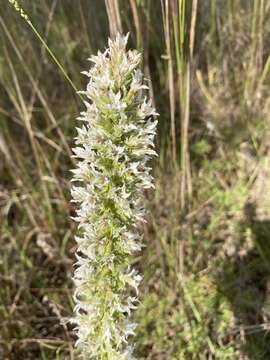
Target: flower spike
(112, 150)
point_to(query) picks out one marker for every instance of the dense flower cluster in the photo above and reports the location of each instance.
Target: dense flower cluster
(113, 148)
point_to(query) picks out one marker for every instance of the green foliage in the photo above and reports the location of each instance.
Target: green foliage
(191, 321)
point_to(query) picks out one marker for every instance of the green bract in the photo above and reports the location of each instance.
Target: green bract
(113, 148)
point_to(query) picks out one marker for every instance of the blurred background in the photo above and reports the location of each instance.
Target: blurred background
(206, 266)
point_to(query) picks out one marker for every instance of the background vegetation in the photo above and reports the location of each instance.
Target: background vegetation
(206, 267)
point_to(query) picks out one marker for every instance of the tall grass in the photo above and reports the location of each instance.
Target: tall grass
(207, 256)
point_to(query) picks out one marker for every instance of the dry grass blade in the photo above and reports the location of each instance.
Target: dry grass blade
(114, 18)
(36, 87)
(171, 81)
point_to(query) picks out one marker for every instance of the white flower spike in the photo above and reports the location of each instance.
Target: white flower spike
(112, 147)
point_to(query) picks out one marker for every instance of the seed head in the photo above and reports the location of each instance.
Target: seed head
(113, 147)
